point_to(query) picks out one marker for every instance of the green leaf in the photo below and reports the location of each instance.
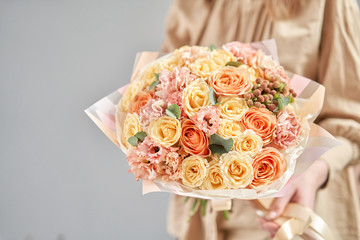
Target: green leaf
(156, 76)
(220, 145)
(133, 141)
(173, 111)
(156, 82)
(140, 135)
(282, 102)
(212, 47)
(212, 96)
(233, 64)
(286, 100)
(282, 85)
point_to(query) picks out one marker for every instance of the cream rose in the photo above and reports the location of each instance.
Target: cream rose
(193, 171)
(221, 57)
(236, 169)
(134, 88)
(232, 107)
(229, 129)
(165, 130)
(130, 128)
(214, 179)
(249, 143)
(203, 67)
(195, 96)
(213, 159)
(147, 76)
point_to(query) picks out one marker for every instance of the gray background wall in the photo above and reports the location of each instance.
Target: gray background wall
(60, 177)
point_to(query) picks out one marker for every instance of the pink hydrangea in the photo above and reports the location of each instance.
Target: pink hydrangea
(172, 84)
(141, 167)
(152, 110)
(287, 129)
(243, 52)
(207, 119)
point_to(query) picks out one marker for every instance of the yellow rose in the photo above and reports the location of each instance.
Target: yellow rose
(214, 179)
(213, 159)
(165, 130)
(221, 57)
(129, 94)
(203, 67)
(195, 97)
(229, 129)
(254, 74)
(147, 75)
(130, 128)
(236, 169)
(232, 107)
(193, 171)
(249, 143)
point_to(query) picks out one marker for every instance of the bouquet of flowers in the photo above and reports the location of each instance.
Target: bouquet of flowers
(213, 122)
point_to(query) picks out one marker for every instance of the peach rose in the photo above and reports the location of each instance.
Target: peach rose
(230, 81)
(269, 165)
(193, 171)
(165, 130)
(147, 75)
(193, 139)
(140, 99)
(261, 121)
(214, 179)
(236, 169)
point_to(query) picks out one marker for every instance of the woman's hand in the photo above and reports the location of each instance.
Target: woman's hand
(303, 192)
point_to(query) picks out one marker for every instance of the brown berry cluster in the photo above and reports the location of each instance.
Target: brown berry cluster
(265, 93)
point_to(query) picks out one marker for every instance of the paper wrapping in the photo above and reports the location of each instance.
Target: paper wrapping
(314, 142)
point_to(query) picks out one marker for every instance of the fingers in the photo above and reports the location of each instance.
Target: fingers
(269, 226)
(278, 206)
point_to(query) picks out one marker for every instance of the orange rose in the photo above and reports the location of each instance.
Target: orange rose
(193, 139)
(230, 81)
(269, 165)
(140, 99)
(261, 121)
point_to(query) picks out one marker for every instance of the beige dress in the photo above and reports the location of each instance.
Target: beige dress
(322, 42)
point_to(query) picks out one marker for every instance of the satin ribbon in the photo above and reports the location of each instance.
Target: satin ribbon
(297, 222)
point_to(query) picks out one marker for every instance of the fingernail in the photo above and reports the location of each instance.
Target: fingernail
(271, 215)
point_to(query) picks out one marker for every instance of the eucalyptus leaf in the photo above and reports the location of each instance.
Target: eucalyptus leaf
(140, 135)
(212, 47)
(133, 141)
(212, 96)
(220, 145)
(173, 111)
(233, 64)
(156, 82)
(214, 148)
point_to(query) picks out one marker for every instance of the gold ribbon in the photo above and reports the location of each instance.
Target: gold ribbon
(298, 222)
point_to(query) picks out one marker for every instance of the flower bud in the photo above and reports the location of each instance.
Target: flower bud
(257, 92)
(258, 80)
(250, 102)
(257, 104)
(276, 84)
(273, 92)
(267, 90)
(271, 107)
(261, 98)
